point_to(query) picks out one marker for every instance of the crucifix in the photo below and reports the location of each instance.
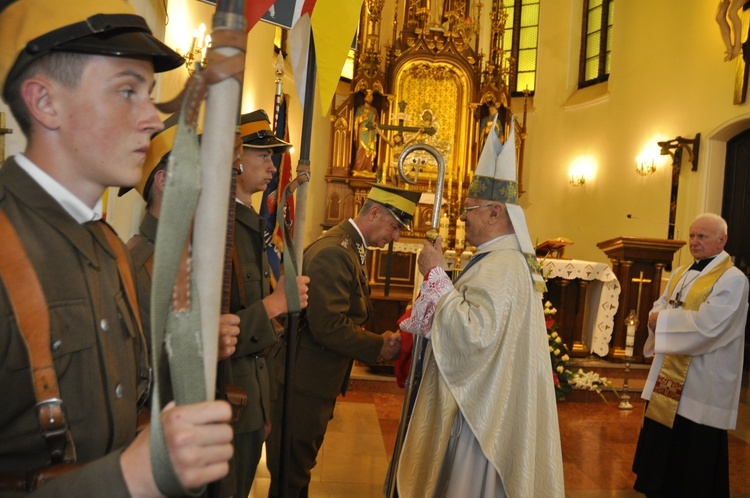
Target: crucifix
(3, 131)
(396, 141)
(400, 128)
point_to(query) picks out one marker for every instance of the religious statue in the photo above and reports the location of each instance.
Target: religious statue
(730, 26)
(485, 124)
(365, 120)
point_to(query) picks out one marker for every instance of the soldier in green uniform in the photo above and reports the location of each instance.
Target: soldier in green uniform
(77, 77)
(331, 335)
(251, 298)
(141, 245)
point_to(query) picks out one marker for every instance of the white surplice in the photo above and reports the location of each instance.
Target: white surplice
(489, 358)
(714, 336)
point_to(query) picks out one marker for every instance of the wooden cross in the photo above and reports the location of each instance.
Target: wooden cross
(3, 131)
(640, 281)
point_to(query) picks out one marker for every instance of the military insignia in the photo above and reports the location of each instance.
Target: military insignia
(345, 243)
(362, 252)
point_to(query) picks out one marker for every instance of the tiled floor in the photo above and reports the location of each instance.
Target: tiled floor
(598, 442)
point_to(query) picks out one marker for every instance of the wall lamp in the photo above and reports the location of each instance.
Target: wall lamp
(198, 46)
(576, 178)
(644, 166)
(676, 146)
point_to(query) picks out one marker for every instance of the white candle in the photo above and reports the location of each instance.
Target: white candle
(629, 340)
(443, 229)
(460, 233)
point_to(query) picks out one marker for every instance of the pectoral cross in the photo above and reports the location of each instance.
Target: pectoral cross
(3, 131)
(640, 281)
(676, 303)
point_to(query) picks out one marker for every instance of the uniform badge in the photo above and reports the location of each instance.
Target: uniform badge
(345, 243)
(362, 252)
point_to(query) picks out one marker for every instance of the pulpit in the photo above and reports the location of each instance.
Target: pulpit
(638, 264)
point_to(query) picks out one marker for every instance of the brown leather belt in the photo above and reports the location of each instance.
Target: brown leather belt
(26, 482)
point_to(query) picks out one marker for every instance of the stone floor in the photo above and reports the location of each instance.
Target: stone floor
(598, 443)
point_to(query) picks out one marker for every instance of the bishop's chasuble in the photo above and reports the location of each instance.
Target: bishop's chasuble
(488, 358)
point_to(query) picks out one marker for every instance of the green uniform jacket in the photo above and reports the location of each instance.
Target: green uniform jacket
(250, 371)
(141, 250)
(98, 352)
(338, 305)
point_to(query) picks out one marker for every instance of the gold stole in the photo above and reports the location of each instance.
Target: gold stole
(662, 407)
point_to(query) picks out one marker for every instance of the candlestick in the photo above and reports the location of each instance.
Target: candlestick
(632, 325)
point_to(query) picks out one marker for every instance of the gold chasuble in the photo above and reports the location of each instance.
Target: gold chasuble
(665, 398)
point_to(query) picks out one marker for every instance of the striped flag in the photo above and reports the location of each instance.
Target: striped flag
(272, 196)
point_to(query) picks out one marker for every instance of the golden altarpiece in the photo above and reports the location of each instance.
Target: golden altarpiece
(434, 85)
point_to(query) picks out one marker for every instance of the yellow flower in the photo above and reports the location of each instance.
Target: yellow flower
(560, 369)
(558, 340)
(565, 357)
(557, 352)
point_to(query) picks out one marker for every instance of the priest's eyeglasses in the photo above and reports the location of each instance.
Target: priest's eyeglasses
(471, 208)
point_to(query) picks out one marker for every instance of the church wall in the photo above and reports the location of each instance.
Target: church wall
(668, 78)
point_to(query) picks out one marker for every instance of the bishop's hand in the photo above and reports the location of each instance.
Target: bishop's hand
(431, 255)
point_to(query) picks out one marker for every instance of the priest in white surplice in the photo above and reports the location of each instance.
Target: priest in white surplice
(485, 420)
(696, 333)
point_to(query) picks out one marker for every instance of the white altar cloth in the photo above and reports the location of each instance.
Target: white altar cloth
(602, 297)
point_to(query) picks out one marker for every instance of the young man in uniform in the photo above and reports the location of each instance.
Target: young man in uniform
(77, 77)
(251, 297)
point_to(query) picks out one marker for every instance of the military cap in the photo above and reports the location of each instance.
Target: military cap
(256, 133)
(402, 203)
(158, 150)
(30, 29)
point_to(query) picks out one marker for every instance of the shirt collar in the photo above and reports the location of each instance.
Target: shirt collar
(74, 206)
(358, 231)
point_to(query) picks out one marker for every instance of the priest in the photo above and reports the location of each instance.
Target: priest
(485, 420)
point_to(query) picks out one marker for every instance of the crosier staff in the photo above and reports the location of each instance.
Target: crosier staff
(415, 369)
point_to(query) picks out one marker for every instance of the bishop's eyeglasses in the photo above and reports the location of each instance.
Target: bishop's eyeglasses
(471, 208)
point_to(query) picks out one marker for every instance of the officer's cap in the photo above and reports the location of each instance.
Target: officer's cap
(402, 203)
(30, 29)
(256, 133)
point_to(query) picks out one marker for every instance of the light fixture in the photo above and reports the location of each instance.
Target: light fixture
(576, 178)
(198, 46)
(676, 146)
(644, 166)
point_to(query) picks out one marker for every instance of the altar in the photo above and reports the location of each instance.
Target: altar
(586, 295)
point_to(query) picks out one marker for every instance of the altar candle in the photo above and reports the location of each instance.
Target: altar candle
(443, 229)
(460, 233)
(630, 335)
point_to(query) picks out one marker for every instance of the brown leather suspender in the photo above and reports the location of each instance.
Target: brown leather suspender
(32, 317)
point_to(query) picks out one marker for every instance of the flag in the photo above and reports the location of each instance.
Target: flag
(254, 10)
(272, 196)
(333, 24)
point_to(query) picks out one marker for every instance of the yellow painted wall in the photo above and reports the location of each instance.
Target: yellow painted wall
(668, 78)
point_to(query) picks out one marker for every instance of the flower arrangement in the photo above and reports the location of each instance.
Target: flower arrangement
(565, 379)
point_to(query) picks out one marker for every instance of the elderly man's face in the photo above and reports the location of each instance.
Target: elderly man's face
(706, 239)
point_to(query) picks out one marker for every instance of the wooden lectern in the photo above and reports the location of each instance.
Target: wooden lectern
(638, 264)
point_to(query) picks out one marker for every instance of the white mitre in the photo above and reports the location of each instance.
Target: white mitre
(495, 180)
